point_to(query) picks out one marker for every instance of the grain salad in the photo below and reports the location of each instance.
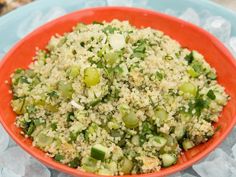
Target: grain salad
(112, 99)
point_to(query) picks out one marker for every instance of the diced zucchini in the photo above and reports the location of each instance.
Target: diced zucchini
(159, 140)
(42, 140)
(184, 116)
(18, 106)
(89, 164)
(126, 166)
(168, 159)
(37, 130)
(179, 131)
(187, 144)
(99, 152)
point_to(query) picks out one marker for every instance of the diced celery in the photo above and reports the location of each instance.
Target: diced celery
(126, 166)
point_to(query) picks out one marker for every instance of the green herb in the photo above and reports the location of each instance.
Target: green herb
(54, 126)
(211, 94)
(70, 117)
(53, 95)
(39, 121)
(31, 109)
(58, 157)
(82, 44)
(189, 58)
(197, 66)
(23, 79)
(211, 75)
(96, 22)
(147, 129)
(198, 106)
(73, 136)
(159, 76)
(109, 29)
(90, 48)
(74, 163)
(140, 49)
(31, 129)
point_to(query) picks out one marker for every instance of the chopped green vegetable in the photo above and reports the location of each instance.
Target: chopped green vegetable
(192, 72)
(43, 140)
(73, 71)
(188, 88)
(211, 94)
(65, 89)
(168, 159)
(58, 157)
(91, 76)
(74, 163)
(54, 126)
(211, 75)
(99, 152)
(159, 140)
(126, 166)
(130, 119)
(111, 58)
(109, 29)
(159, 76)
(187, 144)
(189, 58)
(98, 23)
(161, 115)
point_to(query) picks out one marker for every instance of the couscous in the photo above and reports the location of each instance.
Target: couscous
(112, 99)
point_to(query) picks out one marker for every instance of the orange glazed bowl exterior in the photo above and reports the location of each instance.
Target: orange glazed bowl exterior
(190, 36)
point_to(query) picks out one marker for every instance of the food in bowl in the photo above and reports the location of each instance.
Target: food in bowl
(112, 99)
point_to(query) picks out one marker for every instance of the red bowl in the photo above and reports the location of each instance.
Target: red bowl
(188, 35)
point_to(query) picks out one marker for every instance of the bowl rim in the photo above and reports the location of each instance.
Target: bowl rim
(168, 171)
